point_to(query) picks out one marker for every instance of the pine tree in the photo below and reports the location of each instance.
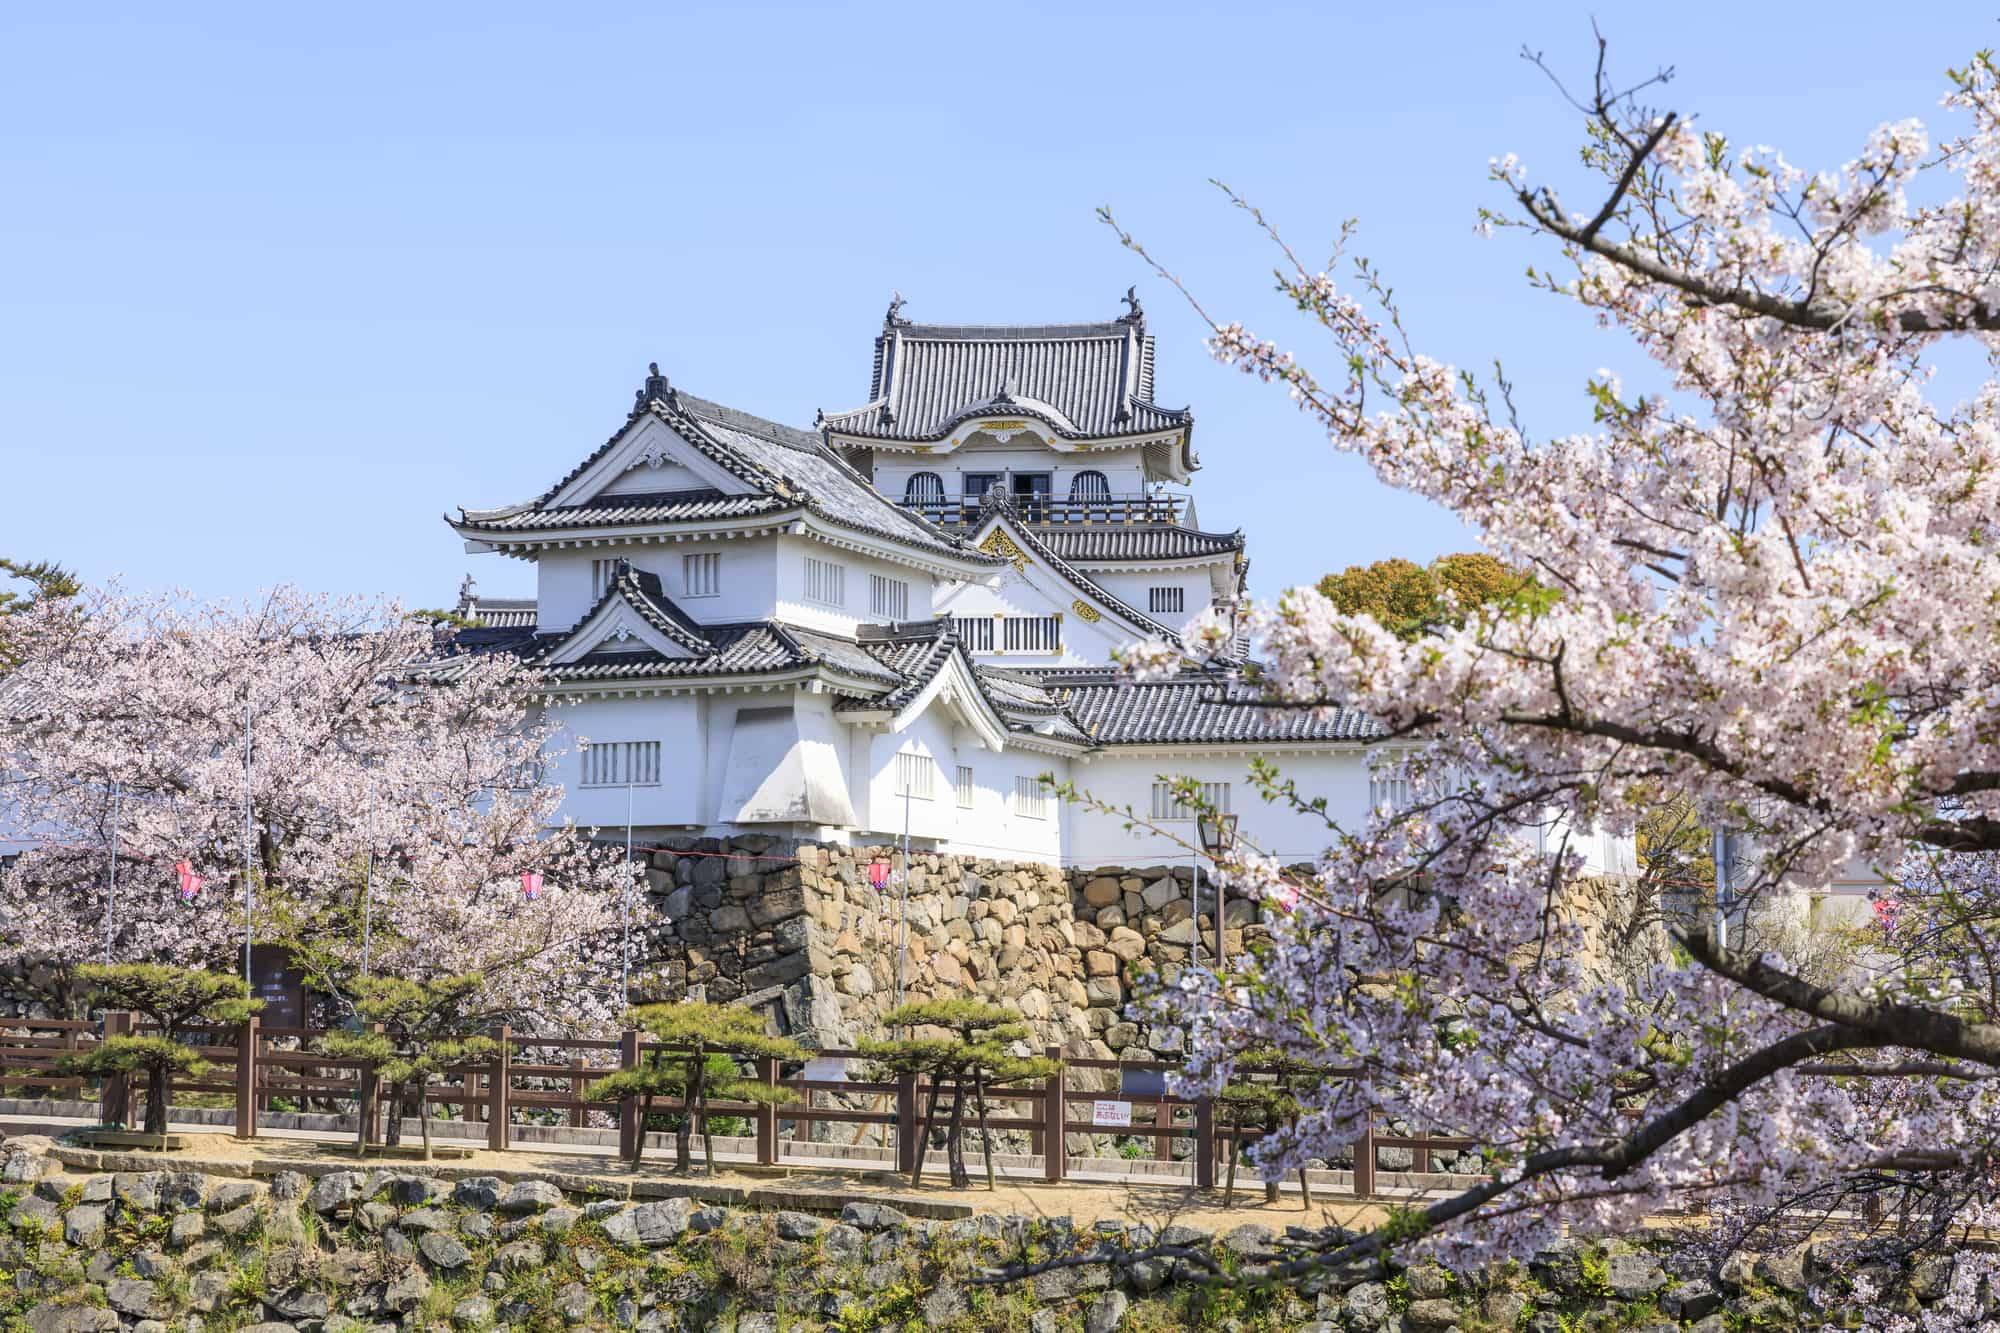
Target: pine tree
(174, 999)
(416, 1031)
(971, 1056)
(697, 1059)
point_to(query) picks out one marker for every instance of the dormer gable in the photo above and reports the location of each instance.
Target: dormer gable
(633, 616)
(649, 458)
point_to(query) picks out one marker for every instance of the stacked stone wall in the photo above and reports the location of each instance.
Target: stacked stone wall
(802, 932)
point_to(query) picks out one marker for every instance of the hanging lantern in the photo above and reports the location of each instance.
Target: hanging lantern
(190, 882)
(878, 874)
(531, 884)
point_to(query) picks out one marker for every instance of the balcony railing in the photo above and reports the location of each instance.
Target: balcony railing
(953, 509)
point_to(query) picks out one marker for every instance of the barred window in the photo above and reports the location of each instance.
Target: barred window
(701, 575)
(1030, 801)
(601, 574)
(1389, 791)
(888, 597)
(1166, 599)
(826, 582)
(1167, 803)
(964, 787)
(975, 632)
(914, 774)
(621, 764)
(1031, 634)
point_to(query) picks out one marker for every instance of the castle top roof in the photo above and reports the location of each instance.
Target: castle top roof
(1090, 380)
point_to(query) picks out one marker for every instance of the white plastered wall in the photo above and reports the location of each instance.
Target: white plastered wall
(1124, 779)
(856, 605)
(676, 721)
(749, 579)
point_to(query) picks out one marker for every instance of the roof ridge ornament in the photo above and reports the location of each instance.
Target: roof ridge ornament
(895, 314)
(655, 388)
(1134, 313)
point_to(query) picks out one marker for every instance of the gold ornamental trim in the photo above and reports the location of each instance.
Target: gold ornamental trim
(1000, 544)
(1086, 610)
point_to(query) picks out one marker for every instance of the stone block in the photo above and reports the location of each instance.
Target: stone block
(1101, 892)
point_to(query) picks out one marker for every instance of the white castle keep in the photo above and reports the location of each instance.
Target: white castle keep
(907, 614)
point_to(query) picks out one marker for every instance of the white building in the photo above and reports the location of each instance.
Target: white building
(762, 628)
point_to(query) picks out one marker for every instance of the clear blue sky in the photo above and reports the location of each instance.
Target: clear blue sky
(283, 284)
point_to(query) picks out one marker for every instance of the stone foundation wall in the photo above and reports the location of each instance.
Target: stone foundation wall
(802, 933)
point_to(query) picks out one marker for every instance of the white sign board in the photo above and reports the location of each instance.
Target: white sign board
(1111, 1113)
(825, 1069)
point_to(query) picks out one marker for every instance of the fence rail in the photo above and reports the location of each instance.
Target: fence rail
(256, 1071)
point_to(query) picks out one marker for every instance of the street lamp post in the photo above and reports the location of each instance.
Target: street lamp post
(1218, 835)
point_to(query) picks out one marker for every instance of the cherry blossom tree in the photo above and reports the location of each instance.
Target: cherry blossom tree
(393, 802)
(1774, 587)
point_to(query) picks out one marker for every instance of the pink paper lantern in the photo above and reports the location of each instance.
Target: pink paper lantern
(878, 873)
(531, 884)
(190, 882)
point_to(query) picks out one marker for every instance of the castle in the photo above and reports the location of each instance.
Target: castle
(898, 621)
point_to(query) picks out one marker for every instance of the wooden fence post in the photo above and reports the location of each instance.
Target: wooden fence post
(500, 1081)
(906, 1123)
(247, 1042)
(1364, 1164)
(1204, 1143)
(1055, 1115)
(578, 1117)
(631, 1133)
(115, 1106)
(767, 1113)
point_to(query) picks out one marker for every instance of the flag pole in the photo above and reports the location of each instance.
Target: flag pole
(248, 981)
(111, 892)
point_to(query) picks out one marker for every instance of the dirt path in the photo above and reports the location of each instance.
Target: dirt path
(1085, 1202)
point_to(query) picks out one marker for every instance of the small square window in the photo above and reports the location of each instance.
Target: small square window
(1166, 600)
(964, 787)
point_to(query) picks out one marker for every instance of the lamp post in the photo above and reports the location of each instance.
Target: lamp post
(1218, 835)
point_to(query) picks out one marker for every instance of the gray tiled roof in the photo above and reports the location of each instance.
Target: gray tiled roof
(641, 591)
(1089, 542)
(788, 470)
(503, 612)
(1194, 708)
(1084, 380)
(1087, 584)
(612, 510)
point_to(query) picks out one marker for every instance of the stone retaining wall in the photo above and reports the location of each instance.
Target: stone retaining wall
(814, 942)
(329, 1249)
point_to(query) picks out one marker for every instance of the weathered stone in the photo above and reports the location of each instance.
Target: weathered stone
(186, 1230)
(476, 1192)
(1365, 1306)
(373, 1216)
(205, 1290)
(334, 1191)
(797, 1226)
(290, 1185)
(444, 1251)
(1431, 1314)
(1161, 892)
(1100, 892)
(237, 1221)
(407, 1292)
(1785, 1270)
(138, 1191)
(650, 1225)
(1107, 1313)
(424, 1219)
(520, 1256)
(576, 1304)
(530, 1196)
(48, 1318)
(83, 1225)
(873, 1216)
(945, 1305)
(1634, 1275)
(130, 1295)
(1503, 1308)
(472, 1312)
(298, 1303)
(232, 1194)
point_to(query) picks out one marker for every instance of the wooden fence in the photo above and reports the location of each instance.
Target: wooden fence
(257, 1070)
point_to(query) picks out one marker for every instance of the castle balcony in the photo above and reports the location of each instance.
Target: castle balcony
(965, 511)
